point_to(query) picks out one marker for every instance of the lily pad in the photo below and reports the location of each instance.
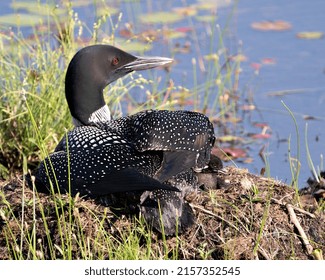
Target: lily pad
(135, 46)
(308, 118)
(239, 58)
(173, 34)
(234, 153)
(109, 11)
(229, 138)
(38, 8)
(256, 66)
(149, 35)
(268, 61)
(212, 56)
(78, 3)
(186, 11)
(207, 18)
(161, 17)
(248, 107)
(261, 136)
(184, 29)
(20, 19)
(212, 4)
(310, 35)
(128, 45)
(278, 25)
(262, 125)
(206, 6)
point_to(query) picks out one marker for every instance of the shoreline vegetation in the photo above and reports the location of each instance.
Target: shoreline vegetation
(245, 217)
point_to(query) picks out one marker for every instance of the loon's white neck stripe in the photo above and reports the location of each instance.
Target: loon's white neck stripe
(101, 115)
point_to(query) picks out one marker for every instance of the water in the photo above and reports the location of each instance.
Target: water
(299, 67)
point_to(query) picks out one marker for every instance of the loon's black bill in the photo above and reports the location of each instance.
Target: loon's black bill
(144, 63)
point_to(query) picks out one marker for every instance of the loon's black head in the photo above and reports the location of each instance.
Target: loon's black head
(92, 69)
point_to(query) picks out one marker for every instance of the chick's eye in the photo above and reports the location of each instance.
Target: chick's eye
(115, 61)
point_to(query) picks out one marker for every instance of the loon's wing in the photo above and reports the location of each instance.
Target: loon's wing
(125, 180)
(174, 163)
(74, 174)
(185, 138)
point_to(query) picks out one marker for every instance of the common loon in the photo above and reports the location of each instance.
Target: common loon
(155, 153)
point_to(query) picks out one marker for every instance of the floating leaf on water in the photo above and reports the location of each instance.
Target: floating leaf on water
(248, 107)
(268, 61)
(308, 118)
(248, 160)
(126, 33)
(206, 6)
(235, 152)
(161, 17)
(256, 66)
(239, 58)
(186, 11)
(207, 18)
(278, 25)
(234, 120)
(288, 91)
(213, 4)
(23, 5)
(310, 35)
(173, 34)
(261, 136)
(149, 35)
(262, 125)
(184, 29)
(212, 56)
(229, 138)
(20, 19)
(186, 48)
(78, 3)
(106, 11)
(136, 47)
(132, 46)
(38, 8)
(181, 94)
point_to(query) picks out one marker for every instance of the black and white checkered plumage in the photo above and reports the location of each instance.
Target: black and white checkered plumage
(153, 152)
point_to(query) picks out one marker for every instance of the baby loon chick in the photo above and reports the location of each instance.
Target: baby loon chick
(152, 152)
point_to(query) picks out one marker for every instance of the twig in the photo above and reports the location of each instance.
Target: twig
(294, 207)
(220, 238)
(301, 231)
(213, 215)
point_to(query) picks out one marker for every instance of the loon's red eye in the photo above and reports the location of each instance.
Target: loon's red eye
(115, 61)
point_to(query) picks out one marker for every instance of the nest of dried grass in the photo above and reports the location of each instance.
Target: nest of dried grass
(249, 217)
